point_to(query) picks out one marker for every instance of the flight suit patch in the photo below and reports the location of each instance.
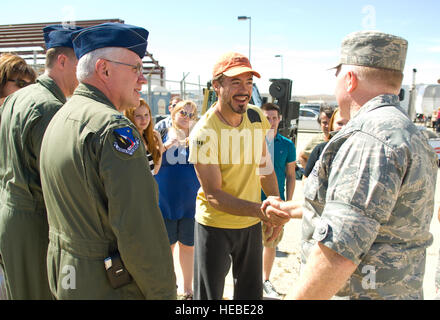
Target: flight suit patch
(125, 141)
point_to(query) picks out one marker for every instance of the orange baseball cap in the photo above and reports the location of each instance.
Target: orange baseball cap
(232, 64)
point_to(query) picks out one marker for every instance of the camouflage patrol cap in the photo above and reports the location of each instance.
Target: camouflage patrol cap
(374, 49)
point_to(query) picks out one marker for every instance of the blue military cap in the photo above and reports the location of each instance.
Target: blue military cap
(57, 35)
(110, 35)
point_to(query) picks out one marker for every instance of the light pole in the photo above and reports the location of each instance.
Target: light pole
(282, 63)
(250, 28)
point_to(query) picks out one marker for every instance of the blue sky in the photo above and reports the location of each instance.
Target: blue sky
(188, 36)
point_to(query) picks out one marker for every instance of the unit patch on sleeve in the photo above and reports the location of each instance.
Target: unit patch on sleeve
(125, 141)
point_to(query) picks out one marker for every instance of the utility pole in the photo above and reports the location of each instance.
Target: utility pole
(282, 64)
(182, 85)
(412, 96)
(250, 31)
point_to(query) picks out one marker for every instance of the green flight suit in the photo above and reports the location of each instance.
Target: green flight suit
(101, 198)
(23, 220)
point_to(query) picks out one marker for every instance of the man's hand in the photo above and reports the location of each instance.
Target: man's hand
(275, 204)
(170, 143)
(273, 232)
(264, 217)
(275, 217)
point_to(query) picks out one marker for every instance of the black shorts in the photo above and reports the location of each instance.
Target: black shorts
(215, 249)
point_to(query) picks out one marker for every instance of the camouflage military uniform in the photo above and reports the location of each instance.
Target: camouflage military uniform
(370, 198)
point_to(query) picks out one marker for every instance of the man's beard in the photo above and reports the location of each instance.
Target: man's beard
(241, 107)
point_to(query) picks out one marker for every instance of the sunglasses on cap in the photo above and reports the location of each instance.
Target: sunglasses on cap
(186, 114)
(20, 83)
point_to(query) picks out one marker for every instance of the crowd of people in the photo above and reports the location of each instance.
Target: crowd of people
(94, 196)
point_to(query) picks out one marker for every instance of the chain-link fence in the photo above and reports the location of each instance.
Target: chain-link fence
(159, 92)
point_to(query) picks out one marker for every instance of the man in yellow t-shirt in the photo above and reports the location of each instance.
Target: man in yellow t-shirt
(229, 152)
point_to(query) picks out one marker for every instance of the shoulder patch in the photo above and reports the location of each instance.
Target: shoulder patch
(253, 116)
(125, 142)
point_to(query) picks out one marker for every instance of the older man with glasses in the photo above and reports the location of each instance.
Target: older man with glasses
(106, 229)
(25, 116)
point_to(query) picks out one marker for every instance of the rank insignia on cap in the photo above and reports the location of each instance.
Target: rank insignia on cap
(125, 141)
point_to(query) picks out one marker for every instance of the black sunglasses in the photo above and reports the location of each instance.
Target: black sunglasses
(186, 114)
(20, 83)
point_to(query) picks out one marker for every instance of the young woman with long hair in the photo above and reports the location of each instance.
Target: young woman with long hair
(141, 118)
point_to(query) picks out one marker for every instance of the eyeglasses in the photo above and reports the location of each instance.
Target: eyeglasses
(186, 114)
(20, 83)
(138, 68)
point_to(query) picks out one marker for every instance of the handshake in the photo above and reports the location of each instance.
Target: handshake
(276, 213)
